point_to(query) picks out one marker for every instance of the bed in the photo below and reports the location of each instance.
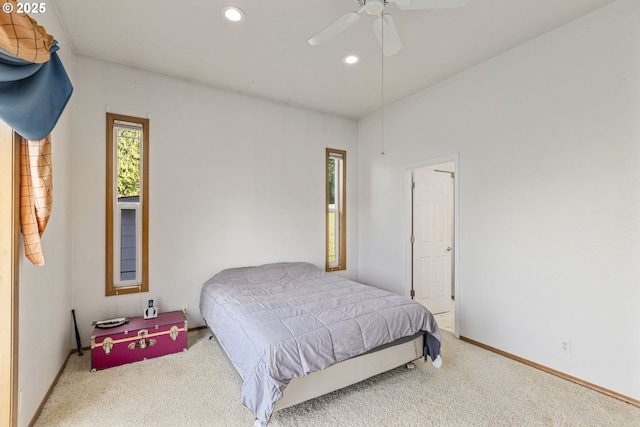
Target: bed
(294, 332)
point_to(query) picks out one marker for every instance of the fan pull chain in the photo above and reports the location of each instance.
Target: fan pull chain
(382, 84)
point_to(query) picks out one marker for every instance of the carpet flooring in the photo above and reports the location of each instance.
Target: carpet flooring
(198, 387)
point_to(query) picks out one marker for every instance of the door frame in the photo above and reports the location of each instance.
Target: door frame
(9, 214)
(407, 172)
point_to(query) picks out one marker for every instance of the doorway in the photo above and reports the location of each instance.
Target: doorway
(432, 255)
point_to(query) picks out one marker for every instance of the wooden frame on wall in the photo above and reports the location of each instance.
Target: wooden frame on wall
(9, 226)
(339, 249)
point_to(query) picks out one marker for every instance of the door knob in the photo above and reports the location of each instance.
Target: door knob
(449, 249)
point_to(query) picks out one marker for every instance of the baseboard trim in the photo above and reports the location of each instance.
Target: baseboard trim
(36, 415)
(548, 370)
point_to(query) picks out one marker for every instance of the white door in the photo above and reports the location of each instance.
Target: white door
(432, 231)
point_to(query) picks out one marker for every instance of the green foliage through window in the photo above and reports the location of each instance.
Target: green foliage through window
(332, 181)
(128, 162)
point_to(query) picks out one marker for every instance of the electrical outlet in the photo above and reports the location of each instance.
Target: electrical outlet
(565, 346)
(185, 309)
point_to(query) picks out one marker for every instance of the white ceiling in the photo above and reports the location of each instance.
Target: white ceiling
(268, 56)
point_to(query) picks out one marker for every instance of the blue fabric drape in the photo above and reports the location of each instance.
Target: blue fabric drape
(33, 96)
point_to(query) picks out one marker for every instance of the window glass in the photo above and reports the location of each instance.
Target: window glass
(129, 142)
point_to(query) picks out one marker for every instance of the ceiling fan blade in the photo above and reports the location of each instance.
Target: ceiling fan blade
(384, 25)
(429, 4)
(336, 27)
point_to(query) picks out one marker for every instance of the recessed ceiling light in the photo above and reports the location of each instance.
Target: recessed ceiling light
(351, 59)
(233, 13)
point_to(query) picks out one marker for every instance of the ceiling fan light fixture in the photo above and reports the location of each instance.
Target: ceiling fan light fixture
(351, 59)
(233, 13)
(374, 7)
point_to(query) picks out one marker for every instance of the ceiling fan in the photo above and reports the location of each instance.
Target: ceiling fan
(383, 25)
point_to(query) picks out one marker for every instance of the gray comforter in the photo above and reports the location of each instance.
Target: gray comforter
(286, 320)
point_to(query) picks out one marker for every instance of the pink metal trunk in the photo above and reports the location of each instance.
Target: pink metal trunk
(139, 339)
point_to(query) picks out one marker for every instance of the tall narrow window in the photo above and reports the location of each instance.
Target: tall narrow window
(127, 205)
(336, 210)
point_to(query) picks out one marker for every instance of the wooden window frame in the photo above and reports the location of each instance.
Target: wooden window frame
(110, 288)
(342, 211)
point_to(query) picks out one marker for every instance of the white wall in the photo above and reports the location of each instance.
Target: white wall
(548, 141)
(45, 292)
(234, 181)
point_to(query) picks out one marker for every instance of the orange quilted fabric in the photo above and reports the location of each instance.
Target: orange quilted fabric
(22, 37)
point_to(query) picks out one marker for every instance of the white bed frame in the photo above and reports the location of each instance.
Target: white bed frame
(345, 373)
(348, 372)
